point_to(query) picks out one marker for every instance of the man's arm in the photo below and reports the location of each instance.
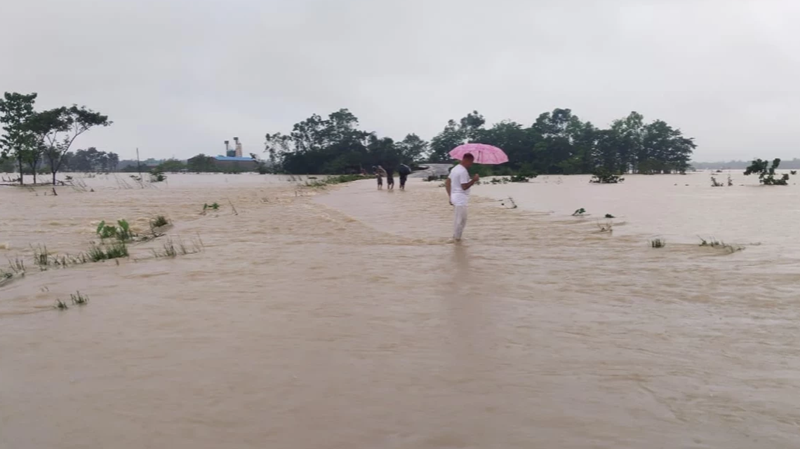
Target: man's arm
(469, 184)
(447, 187)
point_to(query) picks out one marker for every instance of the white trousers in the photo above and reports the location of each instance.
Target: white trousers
(460, 222)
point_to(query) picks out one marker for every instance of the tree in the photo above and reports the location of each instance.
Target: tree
(201, 163)
(171, 166)
(766, 174)
(451, 136)
(17, 140)
(58, 128)
(412, 148)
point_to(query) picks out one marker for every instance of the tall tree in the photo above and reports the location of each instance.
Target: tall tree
(451, 136)
(58, 128)
(17, 139)
(412, 148)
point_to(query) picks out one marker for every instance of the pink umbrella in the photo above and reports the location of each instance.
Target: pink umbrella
(484, 154)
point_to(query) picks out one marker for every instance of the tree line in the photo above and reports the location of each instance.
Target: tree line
(557, 142)
(34, 139)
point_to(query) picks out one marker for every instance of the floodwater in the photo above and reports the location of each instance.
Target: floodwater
(344, 319)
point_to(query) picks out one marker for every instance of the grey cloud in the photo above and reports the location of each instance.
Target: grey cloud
(180, 76)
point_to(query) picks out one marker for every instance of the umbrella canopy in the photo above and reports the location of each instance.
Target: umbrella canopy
(484, 154)
(404, 169)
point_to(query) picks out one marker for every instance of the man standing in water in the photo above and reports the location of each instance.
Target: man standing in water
(458, 185)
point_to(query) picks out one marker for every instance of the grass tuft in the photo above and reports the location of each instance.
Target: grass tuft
(115, 251)
(658, 243)
(61, 305)
(159, 221)
(79, 299)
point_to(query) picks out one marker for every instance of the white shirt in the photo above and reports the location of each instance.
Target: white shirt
(459, 175)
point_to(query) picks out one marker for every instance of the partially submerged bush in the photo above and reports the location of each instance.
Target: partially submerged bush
(121, 232)
(115, 251)
(603, 176)
(79, 299)
(714, 243)
(658, 243)
(766, 173)
(157, 176)
(159, 221)
(579, 212)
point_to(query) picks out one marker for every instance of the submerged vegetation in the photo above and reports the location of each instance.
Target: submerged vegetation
(78, 299)
(766, 173)
(658, 243)
(116, 250)
(333, 180)
(603, 176)
(579, 212)
(122, 232)
(172, 249)
(157, 176)
(718, 244)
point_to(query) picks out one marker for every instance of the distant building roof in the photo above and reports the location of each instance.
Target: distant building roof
(234, 159)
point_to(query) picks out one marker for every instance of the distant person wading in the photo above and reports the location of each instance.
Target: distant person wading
(458, 185)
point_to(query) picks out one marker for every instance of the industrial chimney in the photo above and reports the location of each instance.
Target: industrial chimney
(238, 147)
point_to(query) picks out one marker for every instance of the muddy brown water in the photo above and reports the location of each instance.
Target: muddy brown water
(343, 318)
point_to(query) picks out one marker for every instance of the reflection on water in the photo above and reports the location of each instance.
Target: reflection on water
(345, 319)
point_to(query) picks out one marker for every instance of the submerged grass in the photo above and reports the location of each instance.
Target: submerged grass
(719, 244)
(61, 305)
(115, 251)
(78, 299)
(172, 249)
(658, 243)
(159, 221)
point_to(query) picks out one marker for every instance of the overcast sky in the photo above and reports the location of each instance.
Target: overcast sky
(178, 77)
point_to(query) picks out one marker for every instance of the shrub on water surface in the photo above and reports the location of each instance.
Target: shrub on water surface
(766, 173)
(115, 251)
(79, 299)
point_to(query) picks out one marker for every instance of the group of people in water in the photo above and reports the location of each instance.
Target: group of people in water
(403, 171)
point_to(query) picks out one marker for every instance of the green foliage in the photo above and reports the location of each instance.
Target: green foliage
(90, 160)
(579, 212)
(201, 164)
(557, 143)
(61, 305)
(766, 173)
(122, 232)
(157, 176)
(715, 183)
(603, 176)
(610, 216)
(17, 141)
(658, 243)
(213, 206)
(78, 299)
(114, 251)
(159, 221)
(170, 166)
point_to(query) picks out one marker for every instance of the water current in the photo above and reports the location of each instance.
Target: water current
(343, 318)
